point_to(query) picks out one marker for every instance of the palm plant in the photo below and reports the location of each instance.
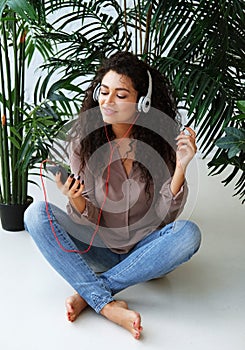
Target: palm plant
(27, 130)
(232, 153)
(198, 45)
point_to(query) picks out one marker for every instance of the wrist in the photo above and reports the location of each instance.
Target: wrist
(79, 203)
(181, 168)
(178, 179)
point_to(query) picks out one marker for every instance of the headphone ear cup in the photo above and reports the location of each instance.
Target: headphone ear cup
(140, 104)
(96, 93)
(144, 104)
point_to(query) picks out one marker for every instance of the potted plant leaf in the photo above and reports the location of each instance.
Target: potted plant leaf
(231, 151)
(27, 130)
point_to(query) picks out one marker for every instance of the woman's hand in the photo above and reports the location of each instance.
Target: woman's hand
(186, 148)
(72, 188)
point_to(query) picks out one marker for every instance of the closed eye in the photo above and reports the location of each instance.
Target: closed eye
(104, 93)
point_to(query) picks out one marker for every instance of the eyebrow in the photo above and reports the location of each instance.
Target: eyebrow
(118, 89)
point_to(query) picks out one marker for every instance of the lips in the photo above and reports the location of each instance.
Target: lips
(108, 111)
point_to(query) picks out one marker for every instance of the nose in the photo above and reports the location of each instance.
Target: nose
(109, 98)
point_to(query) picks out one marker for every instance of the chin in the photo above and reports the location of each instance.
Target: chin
(108, 120)
(121, 120)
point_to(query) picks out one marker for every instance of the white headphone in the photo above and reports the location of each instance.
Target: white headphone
(144, 103)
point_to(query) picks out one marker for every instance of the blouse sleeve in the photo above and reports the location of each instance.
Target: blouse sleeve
(169, 206)
(89, 215)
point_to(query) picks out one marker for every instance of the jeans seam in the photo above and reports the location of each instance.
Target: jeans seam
(148, 248)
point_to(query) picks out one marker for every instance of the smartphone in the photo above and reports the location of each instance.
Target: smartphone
(54, 169)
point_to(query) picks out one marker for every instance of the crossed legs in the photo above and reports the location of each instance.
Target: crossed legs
(165, 249)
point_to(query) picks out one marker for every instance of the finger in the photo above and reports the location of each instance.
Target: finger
(191, 131)
(188, 143)
(185, 140)
(66, 186)
(58, 179)
(183, 137)
(69, 181)
(190, 134)
(76, 186)
(76, 193)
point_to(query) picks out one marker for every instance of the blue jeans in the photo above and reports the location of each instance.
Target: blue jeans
(153, 257)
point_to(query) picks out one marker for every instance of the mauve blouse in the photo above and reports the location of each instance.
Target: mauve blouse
(129, 213)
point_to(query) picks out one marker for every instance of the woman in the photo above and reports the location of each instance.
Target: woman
(126, 189)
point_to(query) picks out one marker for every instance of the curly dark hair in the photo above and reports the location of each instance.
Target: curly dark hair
(162, 101)
(128, 64)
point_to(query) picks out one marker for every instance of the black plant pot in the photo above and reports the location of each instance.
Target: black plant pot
(12, 215)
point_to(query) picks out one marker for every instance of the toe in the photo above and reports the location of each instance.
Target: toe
(137, 323)
(136, 334)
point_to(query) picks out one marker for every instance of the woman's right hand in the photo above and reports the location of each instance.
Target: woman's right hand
(72, 188)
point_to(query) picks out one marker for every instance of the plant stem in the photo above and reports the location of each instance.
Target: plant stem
(22, 193)
(14, 151)
(4, 133)
(147, 31)
(125, 23)
(140, 29)
(24, 185)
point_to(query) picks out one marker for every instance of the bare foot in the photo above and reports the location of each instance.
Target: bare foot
(118, 312)
(74, 306)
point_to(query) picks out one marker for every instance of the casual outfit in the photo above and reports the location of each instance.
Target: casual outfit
(137, 238)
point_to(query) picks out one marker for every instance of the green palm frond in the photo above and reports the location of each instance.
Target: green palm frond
(198, 45)
(96, 34)
(21, 23)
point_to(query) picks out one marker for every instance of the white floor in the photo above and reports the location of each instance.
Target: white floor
(199, 306)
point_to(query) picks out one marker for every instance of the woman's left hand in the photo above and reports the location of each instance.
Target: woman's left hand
(186, 148)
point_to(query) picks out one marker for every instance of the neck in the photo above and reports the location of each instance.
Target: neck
(120, 130)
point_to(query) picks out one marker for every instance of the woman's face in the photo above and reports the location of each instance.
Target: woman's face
(117, 98)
